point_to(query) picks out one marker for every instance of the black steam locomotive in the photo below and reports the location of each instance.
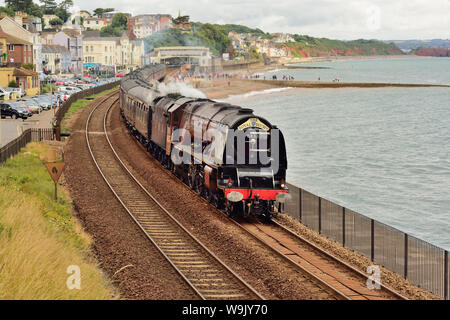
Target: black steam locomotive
(233, 158)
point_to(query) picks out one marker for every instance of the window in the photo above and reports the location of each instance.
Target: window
(106, 49)
(96, 21)
(87, 48)
(10, 47)
(92, 48)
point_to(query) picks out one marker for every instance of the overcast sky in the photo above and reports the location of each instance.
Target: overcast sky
(339, 19)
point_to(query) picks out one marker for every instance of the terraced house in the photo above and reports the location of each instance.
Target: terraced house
(56, 59)
(72, 40)
(121, 52)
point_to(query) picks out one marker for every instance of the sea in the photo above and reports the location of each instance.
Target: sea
(382, 152)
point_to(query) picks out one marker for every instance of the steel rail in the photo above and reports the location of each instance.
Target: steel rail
(336, 259)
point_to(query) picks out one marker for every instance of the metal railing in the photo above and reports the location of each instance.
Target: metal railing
(422, 263)
(32, 134)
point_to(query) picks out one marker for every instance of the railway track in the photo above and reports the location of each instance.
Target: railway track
(337, 273)
(205, 273)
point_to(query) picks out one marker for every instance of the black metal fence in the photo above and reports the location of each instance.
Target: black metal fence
(422, 263)
(32, 134)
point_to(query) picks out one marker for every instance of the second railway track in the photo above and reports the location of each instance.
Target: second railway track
(205, 273)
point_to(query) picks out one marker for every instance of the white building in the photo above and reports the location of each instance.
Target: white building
(197, 56)
(93, 23)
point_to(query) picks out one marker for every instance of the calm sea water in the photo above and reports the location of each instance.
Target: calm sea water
(384, 153)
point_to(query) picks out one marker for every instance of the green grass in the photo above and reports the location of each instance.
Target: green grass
(39, 238)
(79, 105)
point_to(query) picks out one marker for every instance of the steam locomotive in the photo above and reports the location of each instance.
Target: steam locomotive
(227, 154)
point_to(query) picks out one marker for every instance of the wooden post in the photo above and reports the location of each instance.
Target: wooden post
(320, 215)
(405, 273)
(343, 227)
(372, 239)
(300, 203)
(446, 282)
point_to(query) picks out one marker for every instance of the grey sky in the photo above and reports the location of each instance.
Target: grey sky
(339, 19)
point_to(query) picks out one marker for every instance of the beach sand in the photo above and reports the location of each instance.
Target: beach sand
(219, 89)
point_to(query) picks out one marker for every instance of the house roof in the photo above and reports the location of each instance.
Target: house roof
(11, 39)
(72, 32)
(91, 33)
(53, 48)
(21, 72)
(116, 39)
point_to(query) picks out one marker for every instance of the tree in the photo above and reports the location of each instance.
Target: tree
(56, 22)
(49, 6)
(62, 13)
(35, 10)
(18, 5)
(66, 4)
(28, 66)
(13, 84)
(109, 31)
(7, 10)
(119, 21)
(100, 11)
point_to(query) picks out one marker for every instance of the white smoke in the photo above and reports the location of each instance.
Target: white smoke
(180, 88)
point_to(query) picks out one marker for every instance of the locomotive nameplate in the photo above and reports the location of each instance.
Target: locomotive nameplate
(253, 123)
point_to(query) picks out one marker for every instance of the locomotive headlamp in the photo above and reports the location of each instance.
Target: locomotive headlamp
(282, 184)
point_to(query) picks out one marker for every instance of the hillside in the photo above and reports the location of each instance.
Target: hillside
(216, 38)
(408, 45)
(306, 46)
(431, 52)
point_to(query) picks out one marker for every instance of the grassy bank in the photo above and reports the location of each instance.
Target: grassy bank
(39, 238)
(80, 104)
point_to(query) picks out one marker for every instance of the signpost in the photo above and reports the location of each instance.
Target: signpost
(55, 169)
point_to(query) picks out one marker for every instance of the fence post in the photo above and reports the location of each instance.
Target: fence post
(343, 227)
(446, 284)
(405, 273)
(320, 215)
(300, 203)
(372, 239)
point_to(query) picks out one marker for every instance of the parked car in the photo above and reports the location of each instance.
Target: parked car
(32, 104)
(22, 107)
(49, 101)
(13, 111)
(69, 89)
(42, 102)
(19, 91)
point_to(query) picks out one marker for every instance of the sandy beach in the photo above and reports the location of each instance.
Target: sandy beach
(219, 88)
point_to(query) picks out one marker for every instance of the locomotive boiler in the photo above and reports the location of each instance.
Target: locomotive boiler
(226, 153)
